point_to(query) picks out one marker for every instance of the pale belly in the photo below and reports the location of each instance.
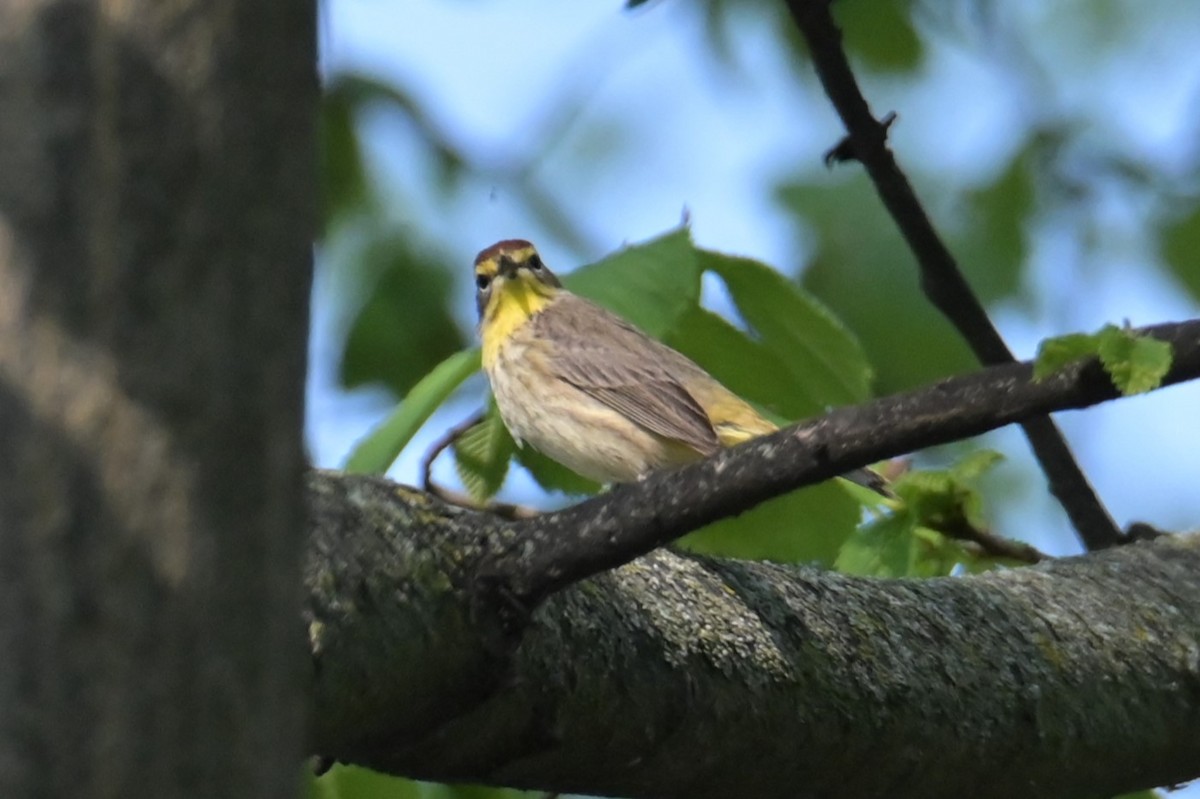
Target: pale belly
(570, 427)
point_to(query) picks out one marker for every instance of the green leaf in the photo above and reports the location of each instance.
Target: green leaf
(482, 454)
(805, 526)
(931, 500)
(478, 792)
(880, 548)
(811, 341)
(936, 555)
(1181, 249)
(343, 176)
(394, 340)
(1055, 353)
(353, 782)
(1135, 363)
(650, 284)
(880, 32)
(975, 465)
(360, 90)
(938, 496)
(991, 244)
(747, 367)
(897, 545)
(375, 453)
(862, 270)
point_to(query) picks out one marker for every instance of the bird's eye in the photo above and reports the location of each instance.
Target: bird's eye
(535, 263)
(482, 282)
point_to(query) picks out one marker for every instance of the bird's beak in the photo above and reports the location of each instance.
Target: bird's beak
(508, 268)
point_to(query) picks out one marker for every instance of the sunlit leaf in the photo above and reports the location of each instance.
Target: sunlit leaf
(975, 465)
(435, 791)
(937, 499)
(353, 782)
(375, 453)
(482, 455)
(1055, 353)
(1135, 363)
(939, 496)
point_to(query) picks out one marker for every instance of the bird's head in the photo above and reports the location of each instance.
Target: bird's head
(511, 278)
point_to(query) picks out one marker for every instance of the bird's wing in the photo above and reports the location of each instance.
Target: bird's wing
(616, 364)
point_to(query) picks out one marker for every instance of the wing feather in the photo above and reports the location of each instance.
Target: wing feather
(613, 362)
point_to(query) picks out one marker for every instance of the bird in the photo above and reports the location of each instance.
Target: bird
(591, 391)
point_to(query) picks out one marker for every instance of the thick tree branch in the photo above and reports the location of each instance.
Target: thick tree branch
(538, 556)
(684, 676)
(941, 279)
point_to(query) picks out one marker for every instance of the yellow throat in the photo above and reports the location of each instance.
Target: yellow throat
(514, 302)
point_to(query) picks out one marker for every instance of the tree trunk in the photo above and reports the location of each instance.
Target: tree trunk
(156, 214)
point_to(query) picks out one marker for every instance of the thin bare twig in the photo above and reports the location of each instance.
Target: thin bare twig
(987, 542)
(941, 279)
(503, 509)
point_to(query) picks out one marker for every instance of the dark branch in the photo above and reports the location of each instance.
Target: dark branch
(941, 279)
(988, 542)
(535, 557)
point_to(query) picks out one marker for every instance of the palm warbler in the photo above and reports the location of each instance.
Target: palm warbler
(591, 391)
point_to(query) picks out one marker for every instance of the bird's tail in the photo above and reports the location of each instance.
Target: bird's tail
(731, 432)
(868, 478)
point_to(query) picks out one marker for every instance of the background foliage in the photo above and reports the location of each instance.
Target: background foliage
(1054, 146)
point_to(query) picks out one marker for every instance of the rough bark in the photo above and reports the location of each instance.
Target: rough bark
(156, 218)
(678, 675)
